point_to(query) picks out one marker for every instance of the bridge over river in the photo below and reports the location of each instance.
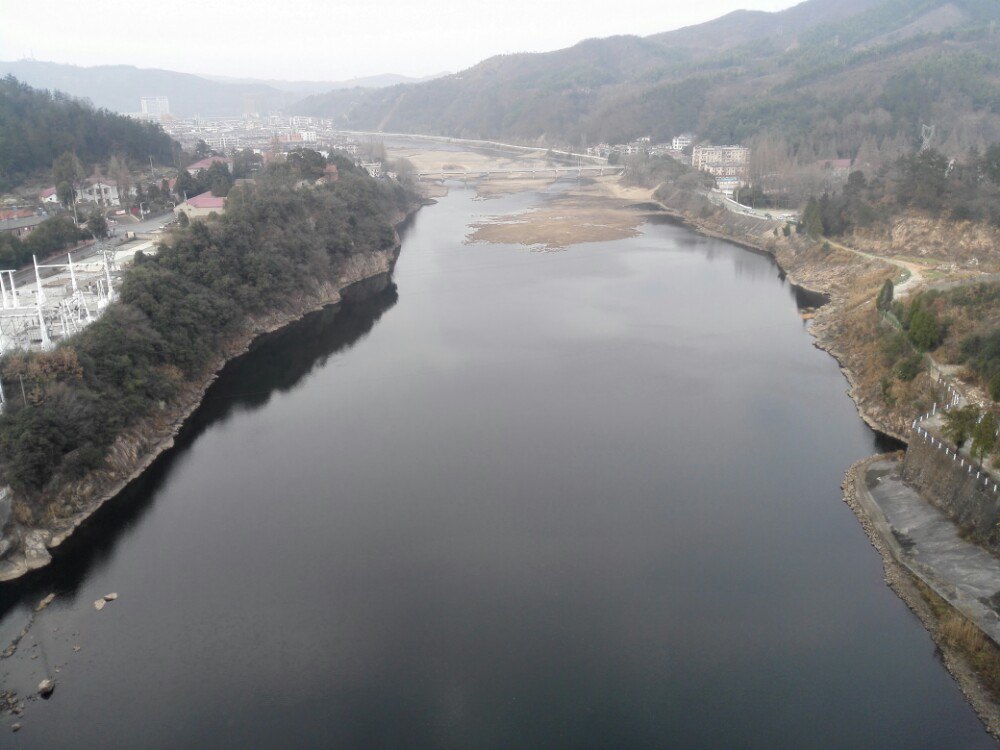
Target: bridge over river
(537, 171)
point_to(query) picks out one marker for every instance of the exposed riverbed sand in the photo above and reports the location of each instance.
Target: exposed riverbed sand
(588, 210)
(569, 219)
(429, 160)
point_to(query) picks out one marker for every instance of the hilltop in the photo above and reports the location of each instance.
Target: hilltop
(119, 87)
(37, 127)
(825, 74)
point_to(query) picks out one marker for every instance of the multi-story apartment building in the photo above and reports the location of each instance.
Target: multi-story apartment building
(730, 165)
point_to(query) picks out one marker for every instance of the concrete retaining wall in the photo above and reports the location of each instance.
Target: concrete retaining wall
(974, 507)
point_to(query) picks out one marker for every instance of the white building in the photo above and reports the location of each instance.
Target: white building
(374, 168)
(49, 196)
(154, 106)
(682, 141)
(100, 191)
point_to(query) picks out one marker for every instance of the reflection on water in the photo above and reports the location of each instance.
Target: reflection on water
(276, 363)
(553, 500)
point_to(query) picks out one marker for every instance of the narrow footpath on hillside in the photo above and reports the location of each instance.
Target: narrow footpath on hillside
(915, 271)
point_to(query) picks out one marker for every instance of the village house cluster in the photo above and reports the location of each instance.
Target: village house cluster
(730, 165)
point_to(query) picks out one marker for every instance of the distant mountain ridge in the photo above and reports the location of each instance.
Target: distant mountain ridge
(119, 87)
(883, 67)
(306, 88)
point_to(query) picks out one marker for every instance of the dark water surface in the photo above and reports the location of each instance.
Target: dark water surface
(586, 499)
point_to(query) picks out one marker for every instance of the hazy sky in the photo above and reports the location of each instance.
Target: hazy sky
(327, 39)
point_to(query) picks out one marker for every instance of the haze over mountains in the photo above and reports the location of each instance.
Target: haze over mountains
(825, 75)
(823, 78)
(119, 87)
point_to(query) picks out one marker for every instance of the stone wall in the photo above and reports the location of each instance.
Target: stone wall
(945, 483)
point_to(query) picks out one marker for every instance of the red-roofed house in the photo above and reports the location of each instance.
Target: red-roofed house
(330, 174)
(198, 166)
(15, 213)
(48, 196)
(201, 205)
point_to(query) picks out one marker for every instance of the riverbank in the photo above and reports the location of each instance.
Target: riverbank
(29, 546)
(938, 616)
(849, 283)
(479, 466)
(841, 328)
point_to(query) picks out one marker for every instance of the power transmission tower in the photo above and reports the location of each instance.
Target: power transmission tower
(927, 134)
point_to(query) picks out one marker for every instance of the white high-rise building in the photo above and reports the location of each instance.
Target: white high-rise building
(154, 106)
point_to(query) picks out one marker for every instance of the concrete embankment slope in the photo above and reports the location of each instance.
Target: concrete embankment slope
(912, 536)
(924, 540)
(956, 488)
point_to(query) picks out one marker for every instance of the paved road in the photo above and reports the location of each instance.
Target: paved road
(27, 275)
(769, 214)
(146, 225)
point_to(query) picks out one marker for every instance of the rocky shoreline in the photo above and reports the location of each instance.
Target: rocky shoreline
(28, 546)
(902, 582)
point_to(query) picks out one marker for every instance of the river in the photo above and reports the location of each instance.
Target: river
(580, 499)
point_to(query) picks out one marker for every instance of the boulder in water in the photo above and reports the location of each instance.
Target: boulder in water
(45, 687)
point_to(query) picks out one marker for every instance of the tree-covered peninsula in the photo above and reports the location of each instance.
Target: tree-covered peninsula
(283, 246)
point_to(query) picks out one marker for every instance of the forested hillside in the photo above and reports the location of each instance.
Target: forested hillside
(824, 78)
(36, 127)
(178, 310)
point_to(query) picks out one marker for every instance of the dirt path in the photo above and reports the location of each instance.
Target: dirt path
(915, 270)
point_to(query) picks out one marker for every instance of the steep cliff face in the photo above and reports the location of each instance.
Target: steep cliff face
(967, 499)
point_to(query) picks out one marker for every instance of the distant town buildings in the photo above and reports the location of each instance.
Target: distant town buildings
(730, 165)
(154, 106)
(257, 132)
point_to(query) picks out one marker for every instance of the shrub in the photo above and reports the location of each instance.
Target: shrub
(910, 367)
